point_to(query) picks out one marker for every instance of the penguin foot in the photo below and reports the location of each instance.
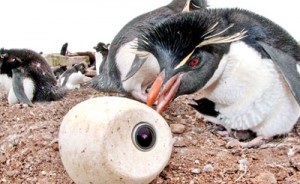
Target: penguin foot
(225, 133)
(138, 95)
(254, 143)
(243, 135)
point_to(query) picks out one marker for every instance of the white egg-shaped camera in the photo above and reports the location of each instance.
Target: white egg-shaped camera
(114, 140)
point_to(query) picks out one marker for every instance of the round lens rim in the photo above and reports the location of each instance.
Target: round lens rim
(134, 137)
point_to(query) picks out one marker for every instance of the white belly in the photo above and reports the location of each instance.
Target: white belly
(29, 89)
(251, 94)
(99, 60)
(5, 82)
(144, 76)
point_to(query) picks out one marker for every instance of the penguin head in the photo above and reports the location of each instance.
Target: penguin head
(101, 47)
(189, 48)
(9, 61)
(192, 5)
(80, 67)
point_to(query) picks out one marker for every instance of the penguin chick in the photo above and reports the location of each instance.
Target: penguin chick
(101, 55)
(123, 71)
(27, 77)
(73, 77)
(244, 64)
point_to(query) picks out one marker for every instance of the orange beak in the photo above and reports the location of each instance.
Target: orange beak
(167, 94)
(155, 88)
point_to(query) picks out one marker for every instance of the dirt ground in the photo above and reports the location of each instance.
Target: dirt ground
(29, 151)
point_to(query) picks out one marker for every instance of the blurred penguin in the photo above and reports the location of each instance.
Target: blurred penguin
(73, 77)
(64, 49)
(101, 55)
(58, 70)
(27, 77)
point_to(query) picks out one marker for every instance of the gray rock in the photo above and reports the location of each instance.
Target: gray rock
(266, 177)
(59, 60)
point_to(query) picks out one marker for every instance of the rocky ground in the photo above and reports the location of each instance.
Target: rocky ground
(29, 151)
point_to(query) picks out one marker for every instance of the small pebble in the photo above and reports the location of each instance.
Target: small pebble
(208, 168)
(291, 152)
(263, 177)
(196, 171)
(243, 164)
(192, 182)
(233, 144)
(2, 159)
(12, 173)
(177, 128)
(44, 173)
(180, 142)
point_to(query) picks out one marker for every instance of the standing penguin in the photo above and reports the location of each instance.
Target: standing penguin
(73, 77)
(123, 71)
(64, 49)
(101, 55)
(245, 66)
(27, 77)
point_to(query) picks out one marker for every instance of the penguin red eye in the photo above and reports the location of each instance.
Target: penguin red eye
(194, 62)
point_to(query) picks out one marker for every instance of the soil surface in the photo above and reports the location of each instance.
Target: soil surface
(29, 151)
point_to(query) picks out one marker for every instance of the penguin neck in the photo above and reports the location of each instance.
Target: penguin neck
(238, 71)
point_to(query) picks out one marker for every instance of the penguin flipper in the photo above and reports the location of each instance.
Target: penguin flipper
(136, 65)
(17, 84)
(287, 66)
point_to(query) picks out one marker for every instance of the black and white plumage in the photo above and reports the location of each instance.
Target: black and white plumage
(58, 70)
(243, 63)
(100, 55)
(27, 77)
(73, 77)
(89, 54)
(64, 49)
(123, 71)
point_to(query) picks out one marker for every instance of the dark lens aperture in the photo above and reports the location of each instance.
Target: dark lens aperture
(144, 136)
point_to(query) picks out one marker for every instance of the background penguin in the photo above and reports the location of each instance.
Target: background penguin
(123, 71)
(89, 54)
(58, 70)
(27, 77)
(245, 66)
(64, 49)
(101, 55)
(73, 77)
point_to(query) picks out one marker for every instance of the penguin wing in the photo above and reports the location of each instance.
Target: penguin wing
(17, 84)
(136, 65)
(287, 66)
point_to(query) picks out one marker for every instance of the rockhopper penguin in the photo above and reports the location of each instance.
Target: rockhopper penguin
(58, 70)
(245, 66)
(100, 55)
(123, 71)
(27, 77)
(73, 77)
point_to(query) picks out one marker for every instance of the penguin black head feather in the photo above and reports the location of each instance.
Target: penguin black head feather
(192, 43)
(190, 46)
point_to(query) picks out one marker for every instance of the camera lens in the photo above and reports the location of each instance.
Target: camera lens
(144, 136)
